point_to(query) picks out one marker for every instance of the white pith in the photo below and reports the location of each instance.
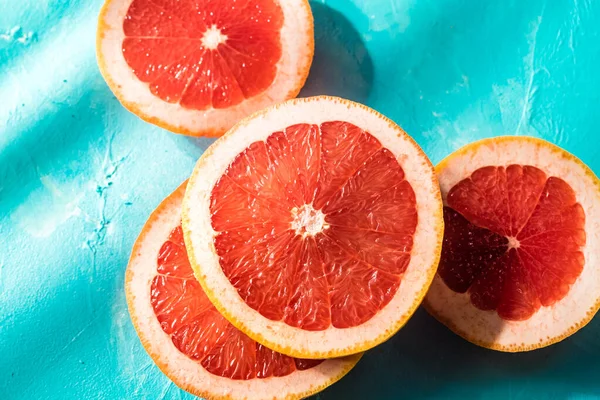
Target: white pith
(548, 323)
(424, 255)
(307, 221)
(185, 372)
(213, 37)
(296, 38)
(513, 242)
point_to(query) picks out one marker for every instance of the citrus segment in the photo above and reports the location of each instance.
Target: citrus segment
(266, 293)
(357, 290)
(467, 250)
(190, 340)
(313, 223)
(344, 148)
(515, 240)
(204, 59)
(498, 198)
(368, 218)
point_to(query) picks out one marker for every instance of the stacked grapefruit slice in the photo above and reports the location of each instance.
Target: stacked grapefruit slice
(309, 233)
(519, 267)
(198, 67)
(187, 337)
(315, 227)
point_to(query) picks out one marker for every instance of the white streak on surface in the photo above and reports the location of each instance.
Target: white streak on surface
(45, 209)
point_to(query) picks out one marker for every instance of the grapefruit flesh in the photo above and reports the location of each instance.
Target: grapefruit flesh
(315, 225)
(206, 53)
(520, 267)
(198, 67)
(512, 240)
(187, 337)
(200, 332)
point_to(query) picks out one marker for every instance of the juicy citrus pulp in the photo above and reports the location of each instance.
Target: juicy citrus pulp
(205, 53)
(199, 331)
(519, 268)
(190, 341)
(513, 239)
(314, 227)
(198, 67)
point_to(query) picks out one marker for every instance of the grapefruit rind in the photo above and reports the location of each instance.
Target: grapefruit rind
(186, 373)
(297, 43)
(332, 342)
(548, 325)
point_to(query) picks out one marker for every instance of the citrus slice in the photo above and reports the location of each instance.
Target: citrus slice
(187, 337)
(314, 226)
(198, 67)
(519, 267)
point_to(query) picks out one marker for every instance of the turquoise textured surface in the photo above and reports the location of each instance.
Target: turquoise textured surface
(79, 175)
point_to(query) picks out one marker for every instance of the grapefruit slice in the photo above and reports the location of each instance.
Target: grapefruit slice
(314, 227)
(519, 267)
(198, 67)
(187, 337)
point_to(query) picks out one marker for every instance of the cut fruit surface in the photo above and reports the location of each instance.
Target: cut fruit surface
(519, 268)
(190, 341)
(314, 227)
(197, 67)
(199, 331)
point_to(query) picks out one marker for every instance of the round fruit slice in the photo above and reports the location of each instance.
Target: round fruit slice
(198, 67)
(315, 227)
(519, 267)
(187, 337)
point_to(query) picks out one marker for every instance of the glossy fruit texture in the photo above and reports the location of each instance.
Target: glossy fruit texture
(198, 330)
(204, 54)
(315, 225)
(512, 240)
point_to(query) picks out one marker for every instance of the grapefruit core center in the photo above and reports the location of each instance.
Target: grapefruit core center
(307, 221)
(213, 37)
(513, 242)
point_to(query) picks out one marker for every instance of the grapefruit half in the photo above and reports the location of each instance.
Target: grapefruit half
(519, 267)
(187, 337)
(198, 67)
(314, 226)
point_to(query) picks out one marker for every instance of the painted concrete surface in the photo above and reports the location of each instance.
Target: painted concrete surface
(79, 175)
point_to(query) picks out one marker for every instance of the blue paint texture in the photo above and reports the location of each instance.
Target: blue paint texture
(79, 175)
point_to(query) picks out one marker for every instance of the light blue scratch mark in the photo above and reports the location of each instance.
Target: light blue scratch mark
(530, 90)
(167, 388)
(78, 334)
(108, 171)
(109, 168)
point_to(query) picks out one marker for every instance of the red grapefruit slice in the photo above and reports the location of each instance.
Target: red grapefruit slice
(315, 227)
(190, 341)
(519, 267)
(198, 67)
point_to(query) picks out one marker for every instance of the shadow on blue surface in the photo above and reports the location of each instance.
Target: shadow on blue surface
(426, 360)
(341, 65)
(45, 140)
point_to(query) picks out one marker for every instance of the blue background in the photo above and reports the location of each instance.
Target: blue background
(79, 175)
